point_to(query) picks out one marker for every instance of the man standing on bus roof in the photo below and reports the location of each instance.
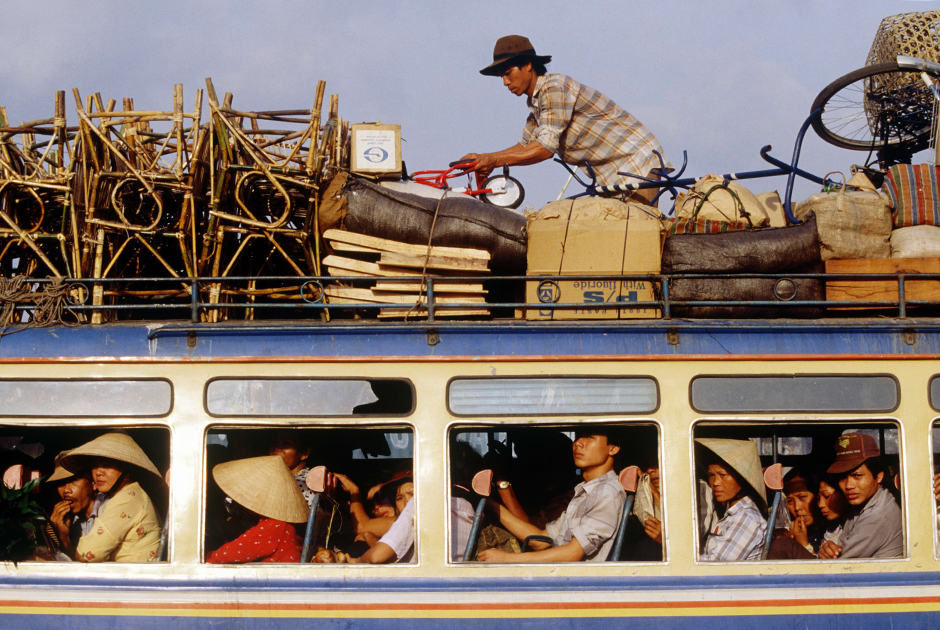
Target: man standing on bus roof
(579, 124)
(586, 530)
(873, 529)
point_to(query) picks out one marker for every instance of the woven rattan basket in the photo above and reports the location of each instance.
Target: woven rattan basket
(909, 34)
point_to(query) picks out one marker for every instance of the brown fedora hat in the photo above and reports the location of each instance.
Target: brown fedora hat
(508, 48)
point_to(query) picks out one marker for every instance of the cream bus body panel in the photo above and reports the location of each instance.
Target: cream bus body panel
(434, 588)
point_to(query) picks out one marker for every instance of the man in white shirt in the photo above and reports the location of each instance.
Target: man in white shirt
(586, 530)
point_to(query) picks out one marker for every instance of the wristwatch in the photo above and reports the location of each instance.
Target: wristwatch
(503, 485)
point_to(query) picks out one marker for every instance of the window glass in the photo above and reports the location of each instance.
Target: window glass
(308, 397)
(260, 490)
(537, 472)
(85, 398)
(794, 393)
(935, 392)
(836, 468)
(552, 396)
(128, 464)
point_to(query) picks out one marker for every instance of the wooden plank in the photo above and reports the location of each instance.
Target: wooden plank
(439, 298)
(349, 247)
(882, 290)
(389, 313)
(367, 268)
(387, 245)
(355, 294)
(420, 261)
(336, 271)
(442, 287)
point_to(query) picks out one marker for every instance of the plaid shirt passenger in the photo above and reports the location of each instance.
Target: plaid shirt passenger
(738, 536)
(580, 125)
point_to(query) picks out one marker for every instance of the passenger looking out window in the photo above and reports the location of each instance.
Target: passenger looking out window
(72, 516)
(586, 529)
(397, 545)
(295, 453)
(370, 528)
(873, 527)
(126, 526)
(734, 474)
(802, 540)
(266, 491)
(833, 507)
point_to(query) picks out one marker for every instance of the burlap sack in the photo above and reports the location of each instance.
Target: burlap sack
(493, 537)
(720, 204)
(851, 225)
(333, 204)
(918, 241)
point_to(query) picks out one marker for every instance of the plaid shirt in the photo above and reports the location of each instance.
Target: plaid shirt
(739, 535)
(580, 125)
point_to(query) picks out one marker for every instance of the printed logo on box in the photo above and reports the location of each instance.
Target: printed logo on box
(375, 154)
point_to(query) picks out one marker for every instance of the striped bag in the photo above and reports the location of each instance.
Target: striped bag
(913, 192)
(701, 226)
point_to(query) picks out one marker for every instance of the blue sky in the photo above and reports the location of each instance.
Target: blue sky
(718, 79)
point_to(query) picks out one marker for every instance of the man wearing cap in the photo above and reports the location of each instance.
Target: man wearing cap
(580, 125)
(586, 530)
(873, 529)
(72, 517)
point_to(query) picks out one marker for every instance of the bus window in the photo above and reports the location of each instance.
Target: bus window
(263, 482)
(102, 491)
(935, 461)
(280, 397)
(840, 500)
(85, 398)
(559, 482)
(557, 396)
(795, 392)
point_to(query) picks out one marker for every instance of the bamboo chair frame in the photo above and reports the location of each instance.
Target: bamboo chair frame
(35, 194)
(122, 155)
(290, 165)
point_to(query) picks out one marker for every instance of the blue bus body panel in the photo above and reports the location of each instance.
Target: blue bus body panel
(519, 339)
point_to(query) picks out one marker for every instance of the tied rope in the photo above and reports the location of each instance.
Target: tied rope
(50, 303)
(427, 259)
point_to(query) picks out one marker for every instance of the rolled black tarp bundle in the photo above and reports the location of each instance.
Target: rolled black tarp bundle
(462, 221)
(784, 250)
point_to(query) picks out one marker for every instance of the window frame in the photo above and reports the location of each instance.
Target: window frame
(488, 421)
(85, 379)
(846, 421)
(574, 414)
(795, 375)
(305, 423)
(208, 383)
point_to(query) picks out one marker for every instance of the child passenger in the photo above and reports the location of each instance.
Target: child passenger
(737, 482)
(265, 487)
(397, 545)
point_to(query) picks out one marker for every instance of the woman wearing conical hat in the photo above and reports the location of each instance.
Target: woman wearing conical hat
(265, 487)
(737, 482)
(126, 528)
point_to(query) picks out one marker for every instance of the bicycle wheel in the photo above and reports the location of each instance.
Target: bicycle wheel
(881, 105)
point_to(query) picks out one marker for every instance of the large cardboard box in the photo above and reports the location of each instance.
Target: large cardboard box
(593, 237)
(375, 149)
(882, 290)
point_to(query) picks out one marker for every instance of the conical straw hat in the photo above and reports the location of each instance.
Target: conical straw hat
(117, 446)
(265, 486)
(61, 473)
(743, 457)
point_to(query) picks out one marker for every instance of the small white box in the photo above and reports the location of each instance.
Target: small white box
(375, 149)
